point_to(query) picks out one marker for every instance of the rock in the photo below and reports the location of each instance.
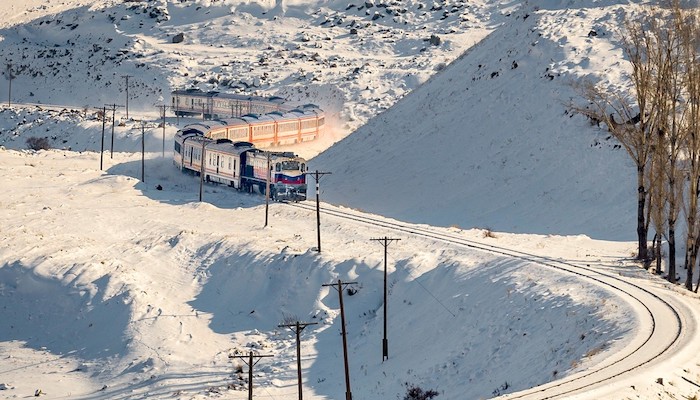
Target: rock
(435, 40)
(179, 38)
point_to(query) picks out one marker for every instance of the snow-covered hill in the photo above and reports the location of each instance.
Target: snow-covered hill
(448, 113)
(490, 141)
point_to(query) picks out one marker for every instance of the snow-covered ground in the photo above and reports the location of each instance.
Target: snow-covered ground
(111, 288)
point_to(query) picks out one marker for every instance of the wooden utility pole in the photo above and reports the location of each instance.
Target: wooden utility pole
(297, 328)
(339, 288)
(251, 364)
(317, 176)
(202, 169)
(385, 342)
(143, 151)
(102, 143)
(267, 188)
(114, 108)
(127, 94)
(9, 90)
(162, 108)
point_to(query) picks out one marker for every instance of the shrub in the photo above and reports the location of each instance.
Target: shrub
(488, 233)
(37, 143)
(416, 393)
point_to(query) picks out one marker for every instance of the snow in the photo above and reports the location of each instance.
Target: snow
(111, 288)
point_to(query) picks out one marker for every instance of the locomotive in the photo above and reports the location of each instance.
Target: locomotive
(241, 165)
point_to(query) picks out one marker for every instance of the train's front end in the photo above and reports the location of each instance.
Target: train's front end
(289, 179)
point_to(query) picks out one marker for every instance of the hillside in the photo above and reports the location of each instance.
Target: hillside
(504, 151)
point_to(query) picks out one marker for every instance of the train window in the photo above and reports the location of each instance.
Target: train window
(278, 168)
(289, 165)
(303, 167)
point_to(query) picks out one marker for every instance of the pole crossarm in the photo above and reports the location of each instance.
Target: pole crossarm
(385, 241)
(299, 326)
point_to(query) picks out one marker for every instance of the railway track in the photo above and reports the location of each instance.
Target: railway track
(664, 321)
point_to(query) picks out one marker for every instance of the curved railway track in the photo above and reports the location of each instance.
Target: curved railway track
(663, 322)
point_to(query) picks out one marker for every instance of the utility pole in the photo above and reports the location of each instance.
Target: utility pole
(127, 94)
(102, 144)
(297, 328)
(251, 364)
(143, 151)
(201, 170)
(114, 108)
(9, 91)
(385, 342)
(317, 176)
(267, 188)
(176, 110)
(339, 288)
(163, 107)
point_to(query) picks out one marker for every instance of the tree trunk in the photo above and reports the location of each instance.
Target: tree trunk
(672, 252)
(691, 265)
(641, 220)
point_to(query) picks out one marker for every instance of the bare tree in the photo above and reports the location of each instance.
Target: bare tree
(689, 29)
(650, 128)
(633, 135)
(669, 88)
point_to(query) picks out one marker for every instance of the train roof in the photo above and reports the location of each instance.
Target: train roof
(233, 122)
(257, 118)
(306, 112)
(234, 96)
(275, 154)
(229, 147)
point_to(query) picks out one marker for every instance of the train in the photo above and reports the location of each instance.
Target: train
(258, 120)
(241, 165)
(214, 105)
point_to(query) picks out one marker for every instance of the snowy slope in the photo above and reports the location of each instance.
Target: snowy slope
(102, 270)
(488, 142)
